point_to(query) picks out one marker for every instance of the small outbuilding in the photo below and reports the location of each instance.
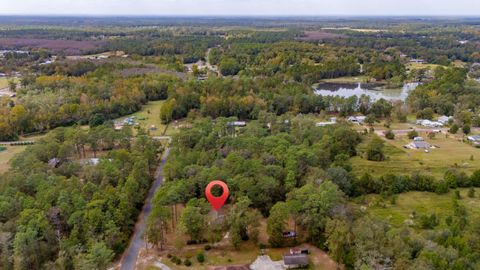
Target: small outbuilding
(295, 261)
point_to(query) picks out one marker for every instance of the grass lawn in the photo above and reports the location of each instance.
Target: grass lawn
(150, 115)
(412, 66)
(423, 203)
(355, 79)
(8, 154)
(452, 153)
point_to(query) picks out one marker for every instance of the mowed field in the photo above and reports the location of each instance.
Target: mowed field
(422, 203)
(451, 153)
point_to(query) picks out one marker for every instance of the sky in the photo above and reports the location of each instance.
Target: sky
(240, 7)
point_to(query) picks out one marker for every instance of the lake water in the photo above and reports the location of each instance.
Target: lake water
(373, 90)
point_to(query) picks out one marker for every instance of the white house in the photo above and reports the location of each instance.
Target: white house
(444, 119)
(357, 119)
(429, 123)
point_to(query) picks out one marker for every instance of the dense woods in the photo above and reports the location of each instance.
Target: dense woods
(61, 209)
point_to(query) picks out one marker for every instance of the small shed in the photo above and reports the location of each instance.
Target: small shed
(54, 162)
(295, 261)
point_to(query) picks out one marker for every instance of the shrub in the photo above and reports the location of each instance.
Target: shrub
(466, 129)
(429, 222)
(471, 193)
(453, 129)
(187, 262)
(200, 257)
(375, 150)
(207, 247)
(412, 134)
(389, 135)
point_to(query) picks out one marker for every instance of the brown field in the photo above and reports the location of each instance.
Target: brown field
(319, 35)
(70, 47)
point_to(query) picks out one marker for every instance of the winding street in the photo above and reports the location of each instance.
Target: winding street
(129, 258)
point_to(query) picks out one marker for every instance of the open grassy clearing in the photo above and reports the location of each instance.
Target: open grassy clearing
(7, 155)
(452, 153)
(412, 66)
(354, 79)
(150, 116)
(423, 203)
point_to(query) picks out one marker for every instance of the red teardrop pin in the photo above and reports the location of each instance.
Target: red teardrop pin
(217, 202)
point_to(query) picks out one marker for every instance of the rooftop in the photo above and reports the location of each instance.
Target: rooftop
(298, 259)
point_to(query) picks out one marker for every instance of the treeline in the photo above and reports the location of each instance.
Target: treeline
(45, 102)
(450, 93)
(61, 210)
(246, 97)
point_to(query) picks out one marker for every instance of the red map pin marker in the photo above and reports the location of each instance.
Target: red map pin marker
(217, 202)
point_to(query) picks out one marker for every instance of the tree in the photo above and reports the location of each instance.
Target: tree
(243, 222)
(193, 220)
(338, 239)
(157, 225)
(229, 66)
(276, 224)
(313, 204)
(375, 149)
(98, 257)
(412, 134)
(453, 129)
(390, 135)
(466, 129)
(12, 85)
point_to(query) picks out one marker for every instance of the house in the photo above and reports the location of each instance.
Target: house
(429, 123)
(324, 124)
(54, 162)
(333, 120)
(295, 261)
(419, 143)
(357, 119)
(474, 138)
(289, 234)
(296, 251)
(237, 124)
(444, 119)
(417, 61)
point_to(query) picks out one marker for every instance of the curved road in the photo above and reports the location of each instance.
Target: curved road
(129, 258)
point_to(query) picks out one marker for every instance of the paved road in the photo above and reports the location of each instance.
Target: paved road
(129, 258)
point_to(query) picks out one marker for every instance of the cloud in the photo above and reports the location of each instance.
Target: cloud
(242, 7)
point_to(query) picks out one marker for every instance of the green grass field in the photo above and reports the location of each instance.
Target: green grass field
(150, 116)
(355, 79)
(423, 203)
(412, 66)
(452, 153)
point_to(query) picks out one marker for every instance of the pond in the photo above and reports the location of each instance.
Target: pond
(375, 91)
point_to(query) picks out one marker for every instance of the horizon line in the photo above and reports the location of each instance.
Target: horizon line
(240, 15)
